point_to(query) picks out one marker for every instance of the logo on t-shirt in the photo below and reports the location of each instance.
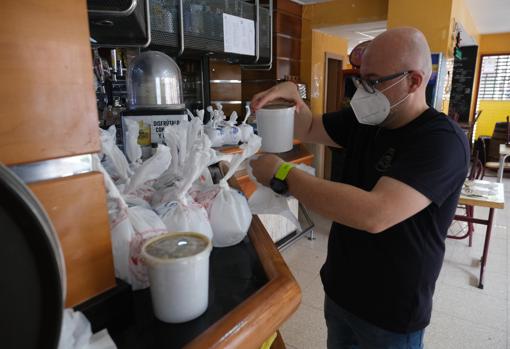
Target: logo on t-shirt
(385, 161)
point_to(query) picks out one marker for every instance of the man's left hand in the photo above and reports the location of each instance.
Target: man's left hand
(264, 168)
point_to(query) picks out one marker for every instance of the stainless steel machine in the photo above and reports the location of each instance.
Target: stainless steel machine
(155, 97)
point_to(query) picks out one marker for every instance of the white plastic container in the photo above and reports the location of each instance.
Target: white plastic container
(178, 265)
(275, 124)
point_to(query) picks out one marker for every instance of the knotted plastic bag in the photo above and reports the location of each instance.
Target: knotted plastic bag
(265, 201)
(178, 211)
(245, 129)
(229, 212)
(146, 225)
(76, 333)
(141, 183)
(115, 162)
(129, 228)
(132, 148)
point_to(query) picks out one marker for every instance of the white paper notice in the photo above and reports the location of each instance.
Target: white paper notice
(238, 35)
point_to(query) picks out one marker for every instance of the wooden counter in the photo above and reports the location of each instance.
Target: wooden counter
(251, 293)
(259, 316)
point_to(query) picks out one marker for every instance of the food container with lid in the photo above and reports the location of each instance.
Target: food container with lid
(178, 265)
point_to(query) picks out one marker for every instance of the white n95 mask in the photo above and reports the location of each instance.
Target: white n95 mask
(372, 108)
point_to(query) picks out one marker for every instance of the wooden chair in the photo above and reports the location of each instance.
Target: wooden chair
(500, 135)
(472, 126)
(477, 171)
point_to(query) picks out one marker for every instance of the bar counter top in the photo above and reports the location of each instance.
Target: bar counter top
(251, 293)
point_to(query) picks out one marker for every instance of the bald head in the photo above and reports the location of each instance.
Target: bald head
(397, 50)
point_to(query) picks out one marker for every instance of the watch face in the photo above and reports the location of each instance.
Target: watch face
(279, 186)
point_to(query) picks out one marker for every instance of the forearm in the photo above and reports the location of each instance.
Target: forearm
(339, 202)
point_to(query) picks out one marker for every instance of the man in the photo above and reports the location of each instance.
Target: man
(404, 169)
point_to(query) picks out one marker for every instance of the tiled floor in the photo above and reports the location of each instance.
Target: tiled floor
(463, 316)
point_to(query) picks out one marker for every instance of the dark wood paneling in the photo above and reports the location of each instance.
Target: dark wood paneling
(334, 85)
(48, 108)
(287, 67)
(252, 88)
(288, 25)
(221, 70)
(258, 74)
(225, 92)
(77, 208)
(287, 22)
(288, 47)
(289, 7)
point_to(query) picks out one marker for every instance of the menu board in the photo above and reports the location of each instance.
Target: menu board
(462, 83)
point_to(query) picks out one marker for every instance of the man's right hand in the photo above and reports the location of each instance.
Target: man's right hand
(306, 127)
(286, 91)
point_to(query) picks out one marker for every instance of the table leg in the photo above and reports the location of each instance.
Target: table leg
(470, 213)
(501, 168)
(486, 247)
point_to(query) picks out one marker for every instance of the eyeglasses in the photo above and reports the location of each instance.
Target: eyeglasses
(369, 84)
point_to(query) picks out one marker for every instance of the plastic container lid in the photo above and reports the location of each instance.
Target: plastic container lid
(154, 82)
(172, 247)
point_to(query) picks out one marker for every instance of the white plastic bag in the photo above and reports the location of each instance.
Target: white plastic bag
(173, 173)
(121, 230)
(185, 215)
(179, 212)
(76, 333)
(133, 149)
(231, 135)
(146, 225)
(229, 212)
(129, 228)
(245, 129)
(182, 142)
(149, 171)
(200, 115)
(115, 162)
(215, 134)
(232, 121)
(265, 201)
(195, 130)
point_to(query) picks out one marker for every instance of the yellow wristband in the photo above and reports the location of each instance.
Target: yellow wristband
(283, 171)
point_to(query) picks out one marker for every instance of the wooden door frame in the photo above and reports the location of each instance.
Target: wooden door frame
(321, 150)
(329, 55)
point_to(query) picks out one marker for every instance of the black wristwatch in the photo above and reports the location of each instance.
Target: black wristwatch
(278, 183)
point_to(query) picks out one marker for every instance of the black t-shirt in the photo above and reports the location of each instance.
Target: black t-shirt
(388, 279)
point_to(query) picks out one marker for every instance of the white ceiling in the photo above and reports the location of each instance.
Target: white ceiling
(490, 16)
(465, 38)
(356, 33)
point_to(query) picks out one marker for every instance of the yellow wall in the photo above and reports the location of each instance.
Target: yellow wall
(494, 43)
(338, 12)
(432, 17)
(322, 43)
(493, 111)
